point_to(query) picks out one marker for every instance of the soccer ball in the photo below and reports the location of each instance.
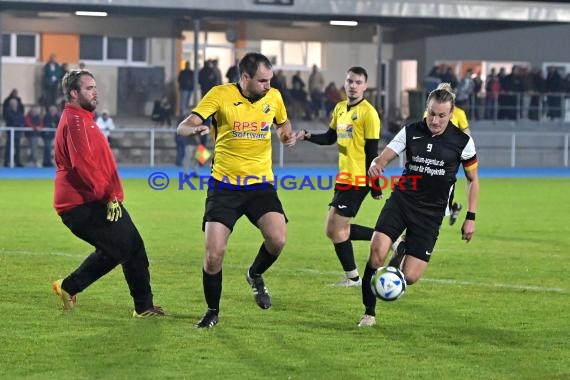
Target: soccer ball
(388, 283)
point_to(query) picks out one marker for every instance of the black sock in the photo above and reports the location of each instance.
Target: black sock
(368, 298)
(212, 289)
(358, 232)
(262, 262)
(345, 255)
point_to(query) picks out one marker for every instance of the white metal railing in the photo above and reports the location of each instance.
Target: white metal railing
(513, 141)
(510, 106)
(511, 147)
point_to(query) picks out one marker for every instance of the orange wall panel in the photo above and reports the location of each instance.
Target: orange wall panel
(64, 46)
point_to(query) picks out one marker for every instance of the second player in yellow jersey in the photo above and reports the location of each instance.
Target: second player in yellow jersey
(355, 127)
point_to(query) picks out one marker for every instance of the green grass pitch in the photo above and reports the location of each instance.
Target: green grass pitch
(496, 308)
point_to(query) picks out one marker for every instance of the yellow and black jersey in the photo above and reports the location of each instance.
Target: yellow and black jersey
(241, 130)
(459, 118)
(354, 125)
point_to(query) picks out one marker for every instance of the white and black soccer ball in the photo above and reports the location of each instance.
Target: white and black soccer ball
(388, 283)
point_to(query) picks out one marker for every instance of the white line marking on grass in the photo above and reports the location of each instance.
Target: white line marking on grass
(453, 282)
(504, 286)
(333, 273)
(34, 253)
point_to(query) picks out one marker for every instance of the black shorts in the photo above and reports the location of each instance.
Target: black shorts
(347, 202)
(422, 226)
(226, 205)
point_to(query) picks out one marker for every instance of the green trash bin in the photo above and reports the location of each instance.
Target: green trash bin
(416, 100)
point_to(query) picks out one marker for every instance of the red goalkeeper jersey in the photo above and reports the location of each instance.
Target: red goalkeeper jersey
(86, 168)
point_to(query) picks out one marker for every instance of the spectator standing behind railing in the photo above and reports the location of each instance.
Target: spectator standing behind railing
(106, 124)
(186, 87)
(6, 103)
(52, 77)
(301, 104)
(492, 89)
(233, 73)
(449, 77)
(297, 82)
(517, 87)
(555, 87)
(207, 77)
(14, 117)
(332, 97)
(432, 80)
(33, 120)
(502, 99)
(51, 121)
(465, 91)
(476, 101)
(279, 82)
(536, 94)
(316, 89)
(217, 71)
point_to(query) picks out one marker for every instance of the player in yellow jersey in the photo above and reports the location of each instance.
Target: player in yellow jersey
(459, 119)
(355, 127)
(242, 115)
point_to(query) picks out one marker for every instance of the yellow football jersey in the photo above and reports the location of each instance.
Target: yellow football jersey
(354, 124)
(241, 130)
(459, 118)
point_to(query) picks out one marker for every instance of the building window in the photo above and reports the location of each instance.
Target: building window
(139, 50)
(6, 45)
(121, 50)
(25, 45)
(116, 48)
(292, 54)
(91, 48)
(20, 46)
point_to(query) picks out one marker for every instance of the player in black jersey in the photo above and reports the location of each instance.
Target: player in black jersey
(434, 151)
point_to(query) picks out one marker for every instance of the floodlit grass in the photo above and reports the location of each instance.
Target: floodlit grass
(496, 308)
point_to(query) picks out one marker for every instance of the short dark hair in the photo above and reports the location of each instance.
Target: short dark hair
(358, 70)
(250, 63)
(71, 81)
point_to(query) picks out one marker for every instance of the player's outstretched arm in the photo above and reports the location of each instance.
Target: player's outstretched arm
(286, 134)
(192, 125)
(327, 138)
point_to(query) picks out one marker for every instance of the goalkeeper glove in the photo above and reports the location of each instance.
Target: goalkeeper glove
(114, 211)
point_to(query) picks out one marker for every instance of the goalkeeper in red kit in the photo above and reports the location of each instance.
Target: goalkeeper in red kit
(88, 197)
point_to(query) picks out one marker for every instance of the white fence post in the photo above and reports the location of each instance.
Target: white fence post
(566, 150)
(513, 150)
(152, 136)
